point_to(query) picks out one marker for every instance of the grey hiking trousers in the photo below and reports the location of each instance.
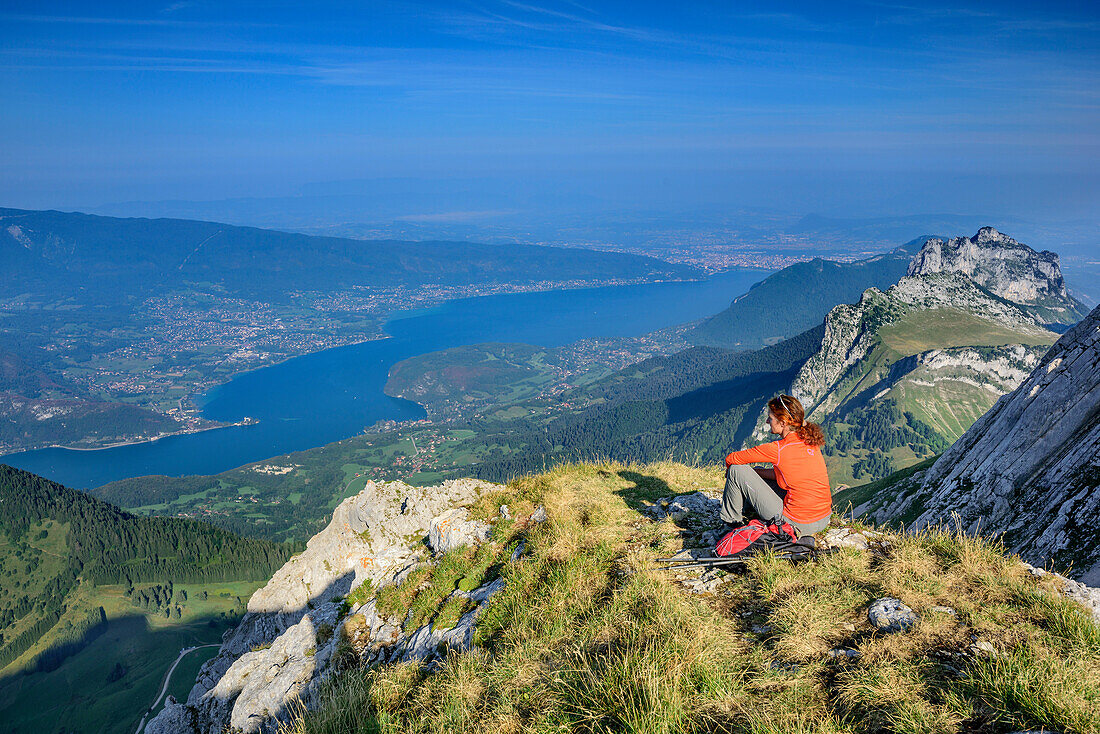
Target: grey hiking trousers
(747, 490)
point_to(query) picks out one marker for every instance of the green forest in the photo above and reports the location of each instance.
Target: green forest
(869, 434)
(55, 537)
(695, 406)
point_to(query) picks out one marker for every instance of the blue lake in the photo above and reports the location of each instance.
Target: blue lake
(319, 398)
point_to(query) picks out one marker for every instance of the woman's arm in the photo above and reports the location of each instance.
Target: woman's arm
(765, 473)
(766, 453)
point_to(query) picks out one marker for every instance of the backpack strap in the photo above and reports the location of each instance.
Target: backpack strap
(781, 527)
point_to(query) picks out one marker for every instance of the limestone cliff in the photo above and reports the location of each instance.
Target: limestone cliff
(965, 314)
(289, 639)
(1029, 468)
(938, 344)
(1005, 267)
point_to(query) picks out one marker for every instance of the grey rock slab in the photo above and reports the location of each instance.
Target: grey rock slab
(699, 586)
(173, 718)
(711, 537)
(891, 615)
(452, 529)
(482, 593)
(845, 537)
(1029, 468)
(984, 647)
(839, 652)
(697, 507)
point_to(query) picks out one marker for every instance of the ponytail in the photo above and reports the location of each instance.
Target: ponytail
(811, 434)
(793, 414)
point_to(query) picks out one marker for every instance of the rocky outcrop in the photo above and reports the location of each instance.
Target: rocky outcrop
(888, 615)
(1006, 268)
(1028, 469)
(949, 389)
(452, 530)
(852, 331)
(940, 320)
(285, 645)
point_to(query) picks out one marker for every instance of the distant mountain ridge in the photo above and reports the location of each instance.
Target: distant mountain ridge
(110, 258)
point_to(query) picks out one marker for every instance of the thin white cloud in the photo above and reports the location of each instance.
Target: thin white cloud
(177, 6)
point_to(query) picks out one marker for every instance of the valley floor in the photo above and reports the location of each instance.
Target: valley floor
(110, 682)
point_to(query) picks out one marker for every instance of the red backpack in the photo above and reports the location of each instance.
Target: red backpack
(755, 537)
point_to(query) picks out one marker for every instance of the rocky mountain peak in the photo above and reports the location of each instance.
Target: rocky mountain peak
(989, 235)
(852, 330)
(1005, 267)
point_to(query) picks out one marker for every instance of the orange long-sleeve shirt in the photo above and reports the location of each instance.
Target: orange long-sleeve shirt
(800, 470)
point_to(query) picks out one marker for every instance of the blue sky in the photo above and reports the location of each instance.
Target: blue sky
(106, 102)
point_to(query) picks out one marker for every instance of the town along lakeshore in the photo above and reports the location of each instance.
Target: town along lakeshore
(319, 398)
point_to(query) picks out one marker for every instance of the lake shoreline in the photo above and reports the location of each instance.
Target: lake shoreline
(136, 442)
(325, 396)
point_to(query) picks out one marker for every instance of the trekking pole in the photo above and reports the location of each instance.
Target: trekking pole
(723, 561)
(699, 565)
(689, 559)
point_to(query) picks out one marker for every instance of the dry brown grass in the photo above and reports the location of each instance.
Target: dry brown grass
(885, 696)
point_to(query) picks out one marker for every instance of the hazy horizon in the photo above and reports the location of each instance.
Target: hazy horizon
(485, 110)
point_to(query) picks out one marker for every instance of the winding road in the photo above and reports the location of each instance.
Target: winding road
(164, 688)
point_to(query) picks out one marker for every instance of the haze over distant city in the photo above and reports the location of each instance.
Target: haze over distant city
(483, 112)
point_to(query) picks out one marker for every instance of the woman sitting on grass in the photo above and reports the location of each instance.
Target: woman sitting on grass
(796, 488)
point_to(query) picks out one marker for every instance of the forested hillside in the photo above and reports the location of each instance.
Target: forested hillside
(798, 297)
(694, 406)
(54, 539)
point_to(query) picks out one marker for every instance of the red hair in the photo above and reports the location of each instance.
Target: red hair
(787, 409)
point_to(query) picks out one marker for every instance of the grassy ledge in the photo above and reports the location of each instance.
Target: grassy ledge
(589, 636)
